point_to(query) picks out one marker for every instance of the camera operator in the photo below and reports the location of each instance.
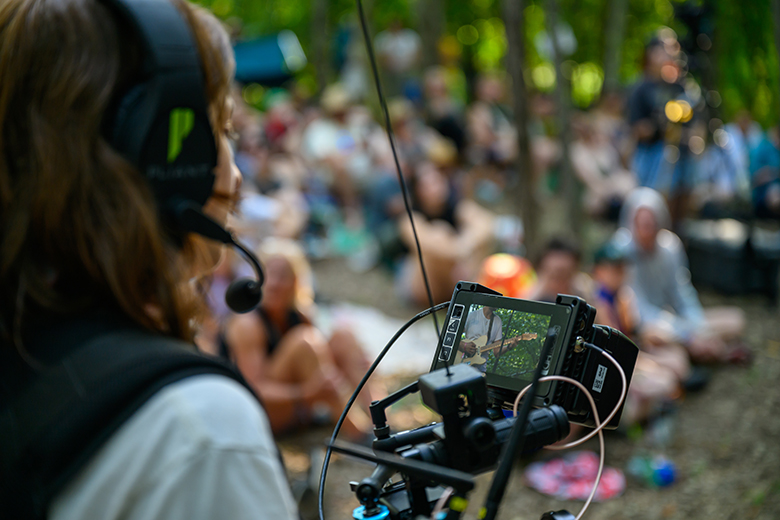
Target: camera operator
(84, 252)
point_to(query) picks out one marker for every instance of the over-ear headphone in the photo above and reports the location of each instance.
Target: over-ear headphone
(161, 125)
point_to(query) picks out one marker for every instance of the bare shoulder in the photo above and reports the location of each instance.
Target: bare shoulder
(469, 212)
(245, 329)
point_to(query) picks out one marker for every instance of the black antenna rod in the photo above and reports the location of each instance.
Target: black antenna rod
(516, 437)
(389, 128)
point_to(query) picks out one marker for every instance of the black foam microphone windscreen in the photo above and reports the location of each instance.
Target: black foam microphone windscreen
(243, 295)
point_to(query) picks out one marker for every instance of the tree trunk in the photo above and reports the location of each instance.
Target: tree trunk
(615, 29)
(524, 189)
(430, 26)
(568, 183)
(776, 16)
(320, 42)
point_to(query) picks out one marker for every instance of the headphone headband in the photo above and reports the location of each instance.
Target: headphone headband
(161, 123)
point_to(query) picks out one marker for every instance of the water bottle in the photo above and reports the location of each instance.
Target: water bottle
(653, 471)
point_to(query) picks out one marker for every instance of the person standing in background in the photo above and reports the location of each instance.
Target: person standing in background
(662, 160)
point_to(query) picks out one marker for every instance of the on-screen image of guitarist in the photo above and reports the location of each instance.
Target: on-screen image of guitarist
(481, 322)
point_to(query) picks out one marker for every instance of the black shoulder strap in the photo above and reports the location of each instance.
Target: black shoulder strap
(60, 417)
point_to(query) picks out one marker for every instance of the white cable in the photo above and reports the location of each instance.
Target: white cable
(599, 426)
(623, 391)
(440, 503)
(598, 430)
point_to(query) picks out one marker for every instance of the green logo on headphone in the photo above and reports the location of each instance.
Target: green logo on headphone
(180, 126)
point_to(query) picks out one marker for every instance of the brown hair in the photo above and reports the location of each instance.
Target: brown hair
(78, 223)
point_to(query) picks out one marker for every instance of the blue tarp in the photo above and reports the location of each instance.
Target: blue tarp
(270, 60)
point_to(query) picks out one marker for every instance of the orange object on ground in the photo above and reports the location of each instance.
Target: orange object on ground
(510, 275)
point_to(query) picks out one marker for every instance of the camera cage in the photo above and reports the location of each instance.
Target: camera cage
(527, 323)
(474, 435)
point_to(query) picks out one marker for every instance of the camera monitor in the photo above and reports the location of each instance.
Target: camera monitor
(503, 338)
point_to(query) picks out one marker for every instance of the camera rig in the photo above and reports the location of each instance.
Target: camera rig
(471, 393)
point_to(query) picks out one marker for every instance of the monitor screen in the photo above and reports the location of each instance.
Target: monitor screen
(505, 342)
(500, 337)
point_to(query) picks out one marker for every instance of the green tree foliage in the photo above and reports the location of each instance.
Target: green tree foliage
(743, 57)
(523, 358)
(747, 62)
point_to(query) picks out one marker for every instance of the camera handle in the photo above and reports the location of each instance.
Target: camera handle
(377, 409)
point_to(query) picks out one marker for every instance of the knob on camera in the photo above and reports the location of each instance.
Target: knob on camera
(558, 515)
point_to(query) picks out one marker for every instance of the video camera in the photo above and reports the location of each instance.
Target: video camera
(491, 348)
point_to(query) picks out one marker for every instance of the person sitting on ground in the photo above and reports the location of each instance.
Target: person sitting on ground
(455, 233)
(660, 369)
(668, 305)
(596, 163)
(558, 272)
(442, 112)
(334, 148)
(490, 130)
(609, 118)
(765, 175)
(302, 376)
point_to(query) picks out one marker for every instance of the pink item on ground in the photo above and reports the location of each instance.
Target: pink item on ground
(571, 477)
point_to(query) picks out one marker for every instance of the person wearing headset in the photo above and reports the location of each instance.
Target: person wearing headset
(85, 238)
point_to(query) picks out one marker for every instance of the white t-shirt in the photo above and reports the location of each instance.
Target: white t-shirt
(401, 49)
(478, 325)
(201, 448)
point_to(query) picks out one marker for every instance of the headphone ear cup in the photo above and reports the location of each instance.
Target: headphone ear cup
(174, 150)
(179, 156)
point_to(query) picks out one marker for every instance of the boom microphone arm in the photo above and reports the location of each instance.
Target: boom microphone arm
(243, 294)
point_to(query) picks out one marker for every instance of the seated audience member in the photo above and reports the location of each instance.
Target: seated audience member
(334, 149)
(609, 119)
(301, 375)
(660, 369)
(558, 272)
(722, 183)
(399, 51)
(744, 135)
(455, 235)
(668, 305)
(597, 164)
(490, 130)
(765, 175)
(546, 151)
(612, 298)
(442, 112)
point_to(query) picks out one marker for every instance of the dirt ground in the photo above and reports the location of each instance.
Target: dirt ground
(725, 439)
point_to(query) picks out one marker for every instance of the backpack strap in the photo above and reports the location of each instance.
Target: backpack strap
(61, 416)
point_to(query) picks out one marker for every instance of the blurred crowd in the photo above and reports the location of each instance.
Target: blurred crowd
(320, 180)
